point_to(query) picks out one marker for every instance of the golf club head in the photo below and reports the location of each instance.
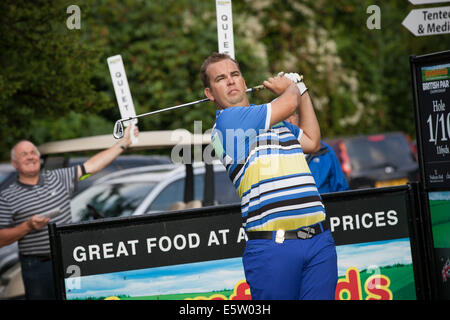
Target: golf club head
(118, 129)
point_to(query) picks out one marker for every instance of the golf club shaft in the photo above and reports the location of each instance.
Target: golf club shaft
(257, 88)
(118, 127)
(167, 109)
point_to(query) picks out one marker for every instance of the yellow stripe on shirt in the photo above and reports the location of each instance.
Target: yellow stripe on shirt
(269, 166)
(286, 223)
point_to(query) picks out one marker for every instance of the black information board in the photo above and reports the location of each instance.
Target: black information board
(361, 221)
(431, 88)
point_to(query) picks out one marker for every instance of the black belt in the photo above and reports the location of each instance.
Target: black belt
(303, 233)
(41, 257)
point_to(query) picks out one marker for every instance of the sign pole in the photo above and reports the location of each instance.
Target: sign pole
(122, 91)
(225, 37)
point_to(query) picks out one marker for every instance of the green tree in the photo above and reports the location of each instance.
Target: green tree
(359, 78)
(45, 69)
(163, 44)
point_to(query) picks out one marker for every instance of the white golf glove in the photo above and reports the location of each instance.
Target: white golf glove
(295, 77)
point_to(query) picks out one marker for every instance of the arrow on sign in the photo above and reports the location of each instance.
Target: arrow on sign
(416, 2)
(428, 21)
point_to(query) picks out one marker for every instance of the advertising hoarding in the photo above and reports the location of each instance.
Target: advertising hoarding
(196, 254)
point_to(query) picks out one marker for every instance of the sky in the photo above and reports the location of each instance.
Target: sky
(373, 254)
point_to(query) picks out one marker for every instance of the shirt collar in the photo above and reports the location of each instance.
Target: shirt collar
(219, 111)
(40, 182)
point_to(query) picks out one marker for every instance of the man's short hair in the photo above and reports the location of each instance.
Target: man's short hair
(13, 149)
(213, 58)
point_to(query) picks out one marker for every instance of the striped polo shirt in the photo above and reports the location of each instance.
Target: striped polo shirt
(268, 169)
(19, 202)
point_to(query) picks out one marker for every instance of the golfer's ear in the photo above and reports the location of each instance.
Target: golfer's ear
(208, 94)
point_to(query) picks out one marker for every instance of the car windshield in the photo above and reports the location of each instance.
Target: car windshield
(379, 151)
(109, 200)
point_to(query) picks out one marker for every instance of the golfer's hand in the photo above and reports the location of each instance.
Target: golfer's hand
(295, 77)
(292, 76)
(278, 84)
(37, 222)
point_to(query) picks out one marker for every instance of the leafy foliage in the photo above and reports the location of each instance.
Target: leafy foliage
(45, 70)
(55, 83)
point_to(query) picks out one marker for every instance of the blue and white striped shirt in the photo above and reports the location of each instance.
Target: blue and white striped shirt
(268, 169)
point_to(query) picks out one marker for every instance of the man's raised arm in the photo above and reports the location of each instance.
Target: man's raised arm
(102, 159)
(294, 97)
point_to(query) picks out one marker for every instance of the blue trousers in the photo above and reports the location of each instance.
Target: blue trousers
(37, 274)
(293, 270)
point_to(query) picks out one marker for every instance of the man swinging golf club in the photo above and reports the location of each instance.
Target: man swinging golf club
(290, 253)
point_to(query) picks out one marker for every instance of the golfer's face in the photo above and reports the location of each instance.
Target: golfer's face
(227, 86)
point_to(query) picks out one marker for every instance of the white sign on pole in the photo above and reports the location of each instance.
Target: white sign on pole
(122, 91)
(225, 27)
(428, 21)
(416, 2)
